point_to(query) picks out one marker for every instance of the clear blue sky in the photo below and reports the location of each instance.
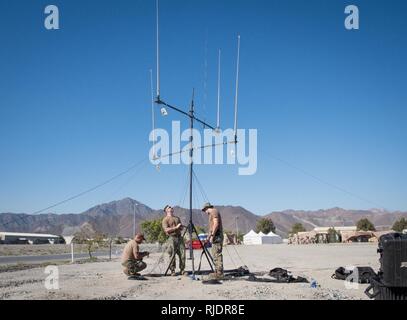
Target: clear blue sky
(74, 103)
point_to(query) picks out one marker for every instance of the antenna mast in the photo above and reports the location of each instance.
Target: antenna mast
(158, 51)
(237, 85)
(152, 111)
(191, 115)
(218, 113)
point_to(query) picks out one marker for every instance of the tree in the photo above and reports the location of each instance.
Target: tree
(265, 225)
(298, 227)
(400, 225)
(153, 231)
(365, 225)
(92, 240)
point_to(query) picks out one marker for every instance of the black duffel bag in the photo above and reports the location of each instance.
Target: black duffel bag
(362, 274)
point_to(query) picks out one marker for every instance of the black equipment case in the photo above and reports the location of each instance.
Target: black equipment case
(391, 282)
(393, 259)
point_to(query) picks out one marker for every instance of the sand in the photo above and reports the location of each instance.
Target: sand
(105, 280)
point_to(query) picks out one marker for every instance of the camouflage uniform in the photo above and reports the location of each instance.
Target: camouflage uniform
(176, 244)
(132, 259)
(217, 254)
(176, 247)
(132, 267)
(217, 240)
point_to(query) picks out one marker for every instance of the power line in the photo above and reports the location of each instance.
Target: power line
(326, 182)
(81, 193)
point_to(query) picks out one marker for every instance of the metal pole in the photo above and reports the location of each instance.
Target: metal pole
(72, 259)
(237, 230)
(191, 154)
(110, 251)
(134, 220)
(237, 85)
(158, 50)
(218, 113)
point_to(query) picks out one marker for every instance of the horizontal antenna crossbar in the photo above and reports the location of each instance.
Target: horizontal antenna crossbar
(191, 116)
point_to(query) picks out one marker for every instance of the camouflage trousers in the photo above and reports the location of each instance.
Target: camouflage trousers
(131, 267)
(217, 256)
(176, 247)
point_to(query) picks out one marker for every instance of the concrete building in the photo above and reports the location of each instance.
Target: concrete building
(27, 238)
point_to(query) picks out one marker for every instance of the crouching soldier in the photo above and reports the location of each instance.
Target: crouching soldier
(132, 258)
(215, 237)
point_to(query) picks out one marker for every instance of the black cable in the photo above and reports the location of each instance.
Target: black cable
(325, 182)
(81, 193)
(205, 197)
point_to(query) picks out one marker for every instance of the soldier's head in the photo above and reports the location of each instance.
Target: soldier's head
(139, 238)
(207, 208)
(168, 210)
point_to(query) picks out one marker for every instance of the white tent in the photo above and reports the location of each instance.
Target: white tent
(251, 238)
(261, 238)
(274, 238)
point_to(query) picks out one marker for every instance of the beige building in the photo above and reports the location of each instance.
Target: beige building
(344, 234)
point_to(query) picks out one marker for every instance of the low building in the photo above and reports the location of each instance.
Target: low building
(28, 238)
(343, 234)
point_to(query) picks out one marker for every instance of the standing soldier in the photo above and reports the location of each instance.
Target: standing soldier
(172, 226)
(215, 237)
(132, 258)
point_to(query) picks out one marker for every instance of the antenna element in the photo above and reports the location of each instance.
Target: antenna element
(237, 85)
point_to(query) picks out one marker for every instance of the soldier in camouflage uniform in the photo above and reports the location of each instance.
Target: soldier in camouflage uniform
(172, 226)
(215, 237)
(132, 258)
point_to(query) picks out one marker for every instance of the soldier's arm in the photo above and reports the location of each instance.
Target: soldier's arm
(136, 252)
(215, 225)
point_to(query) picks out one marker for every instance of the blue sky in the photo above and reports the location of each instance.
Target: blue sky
(328, 102)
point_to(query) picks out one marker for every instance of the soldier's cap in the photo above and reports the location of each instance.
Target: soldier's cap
(140, 236)
(206, 206)
(166, 207)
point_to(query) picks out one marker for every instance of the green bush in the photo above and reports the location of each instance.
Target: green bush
(265, 225)
(365, 225)
(400, 225)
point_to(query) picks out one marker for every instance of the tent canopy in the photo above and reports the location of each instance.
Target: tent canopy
(261, 238)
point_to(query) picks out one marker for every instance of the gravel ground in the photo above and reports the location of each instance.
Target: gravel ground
(105, 280)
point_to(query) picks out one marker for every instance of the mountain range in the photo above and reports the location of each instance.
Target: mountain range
(116, 218)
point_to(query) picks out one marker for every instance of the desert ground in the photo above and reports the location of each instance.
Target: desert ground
(105, 280)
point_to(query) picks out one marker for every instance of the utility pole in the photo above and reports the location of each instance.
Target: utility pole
(134, 219)
(237, 229)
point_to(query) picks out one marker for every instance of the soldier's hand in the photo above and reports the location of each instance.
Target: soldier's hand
(179, 226)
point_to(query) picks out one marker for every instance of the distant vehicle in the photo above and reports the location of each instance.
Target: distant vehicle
(203, 236)
(28, 238)
(196, 244)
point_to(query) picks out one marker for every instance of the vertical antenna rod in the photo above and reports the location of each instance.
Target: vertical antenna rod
(237, 85)
(158, 52)
(152, 111)
(191, 154)
(218, 114)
